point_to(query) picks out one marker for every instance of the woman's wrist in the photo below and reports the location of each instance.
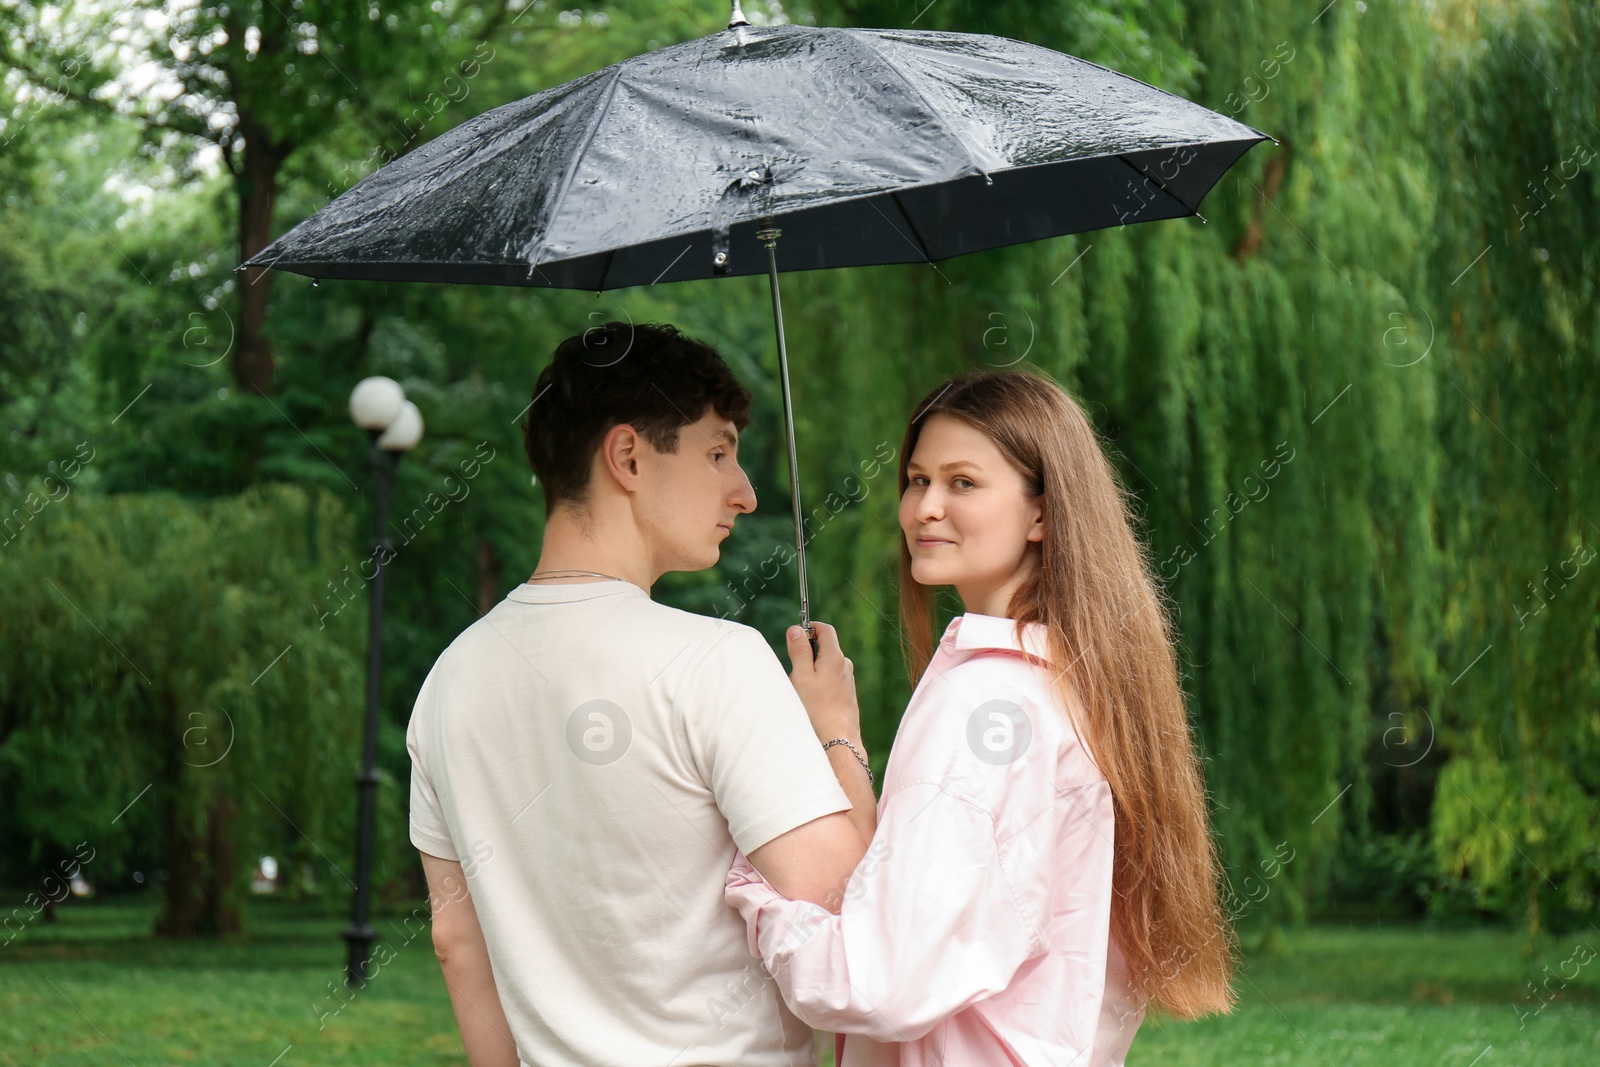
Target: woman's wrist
(856, 748)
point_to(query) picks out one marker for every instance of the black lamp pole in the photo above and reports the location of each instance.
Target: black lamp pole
(360, 933)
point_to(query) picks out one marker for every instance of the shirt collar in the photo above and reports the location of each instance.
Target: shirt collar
(974, 631)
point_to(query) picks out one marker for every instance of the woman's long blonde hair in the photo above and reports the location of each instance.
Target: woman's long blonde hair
(1108, 619)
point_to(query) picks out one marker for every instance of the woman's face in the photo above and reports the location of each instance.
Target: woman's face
(967, 518)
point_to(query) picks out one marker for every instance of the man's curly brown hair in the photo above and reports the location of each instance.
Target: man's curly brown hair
(648, 375)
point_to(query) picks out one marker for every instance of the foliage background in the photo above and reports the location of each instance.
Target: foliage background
(1391, 651)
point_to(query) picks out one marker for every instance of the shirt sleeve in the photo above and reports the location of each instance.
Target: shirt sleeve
(930, 924)
(429, 831)
(749, 734)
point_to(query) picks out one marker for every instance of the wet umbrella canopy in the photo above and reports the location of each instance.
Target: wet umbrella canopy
(774, 148)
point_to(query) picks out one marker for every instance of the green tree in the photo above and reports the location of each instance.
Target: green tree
(1237, 371)
(253, 83)
(1515, 277)
(163, 680)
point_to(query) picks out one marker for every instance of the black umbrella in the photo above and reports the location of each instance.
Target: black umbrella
(846, 146)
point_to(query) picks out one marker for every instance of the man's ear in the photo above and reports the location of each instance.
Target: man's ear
(619, 455)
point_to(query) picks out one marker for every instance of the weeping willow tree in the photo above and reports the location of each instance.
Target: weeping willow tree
(167, 695)
(1516, 298)
(1240, 371)
(1357, 408)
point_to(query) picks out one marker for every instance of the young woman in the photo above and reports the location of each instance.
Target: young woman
(1042, 870)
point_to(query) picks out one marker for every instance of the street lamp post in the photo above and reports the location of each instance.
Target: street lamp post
(379, 406)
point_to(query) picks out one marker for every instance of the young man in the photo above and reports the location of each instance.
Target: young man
(585, 761)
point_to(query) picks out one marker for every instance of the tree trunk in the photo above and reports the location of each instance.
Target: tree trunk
(488, 576)
(220, 903)
(257, 184)
(200, 898)
(180, 895)
(1271, 179)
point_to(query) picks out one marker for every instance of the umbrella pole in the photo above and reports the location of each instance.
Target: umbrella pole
(768, 235)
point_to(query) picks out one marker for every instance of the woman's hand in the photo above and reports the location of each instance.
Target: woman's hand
(827, 684)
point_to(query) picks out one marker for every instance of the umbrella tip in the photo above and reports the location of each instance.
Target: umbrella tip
(737, 17)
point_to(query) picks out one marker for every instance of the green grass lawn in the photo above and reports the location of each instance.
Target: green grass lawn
(96, 984)
(1396, 995)
(94, 988)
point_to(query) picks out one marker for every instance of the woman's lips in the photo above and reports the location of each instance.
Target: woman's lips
(930, 542)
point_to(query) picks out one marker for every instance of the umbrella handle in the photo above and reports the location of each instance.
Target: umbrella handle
(768, 235)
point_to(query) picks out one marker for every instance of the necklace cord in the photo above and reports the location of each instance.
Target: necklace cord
(573, 574)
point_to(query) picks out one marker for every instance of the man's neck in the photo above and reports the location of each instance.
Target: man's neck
(569, 547)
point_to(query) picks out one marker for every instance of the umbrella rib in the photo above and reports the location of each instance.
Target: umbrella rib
(859, 38)
(1159, 183)
(922, 244)
(577, 160)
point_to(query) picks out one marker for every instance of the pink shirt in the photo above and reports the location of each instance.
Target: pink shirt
(976, 930)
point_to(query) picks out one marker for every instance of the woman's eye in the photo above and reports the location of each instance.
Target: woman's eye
(718, 455)
(915, 479)
(967, 480)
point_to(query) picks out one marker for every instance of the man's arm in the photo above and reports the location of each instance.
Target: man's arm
(464, 959)
(814, 861)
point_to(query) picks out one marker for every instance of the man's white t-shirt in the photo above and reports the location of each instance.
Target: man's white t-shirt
(593, 758)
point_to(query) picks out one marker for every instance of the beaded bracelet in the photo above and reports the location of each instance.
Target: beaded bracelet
(859, 757)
